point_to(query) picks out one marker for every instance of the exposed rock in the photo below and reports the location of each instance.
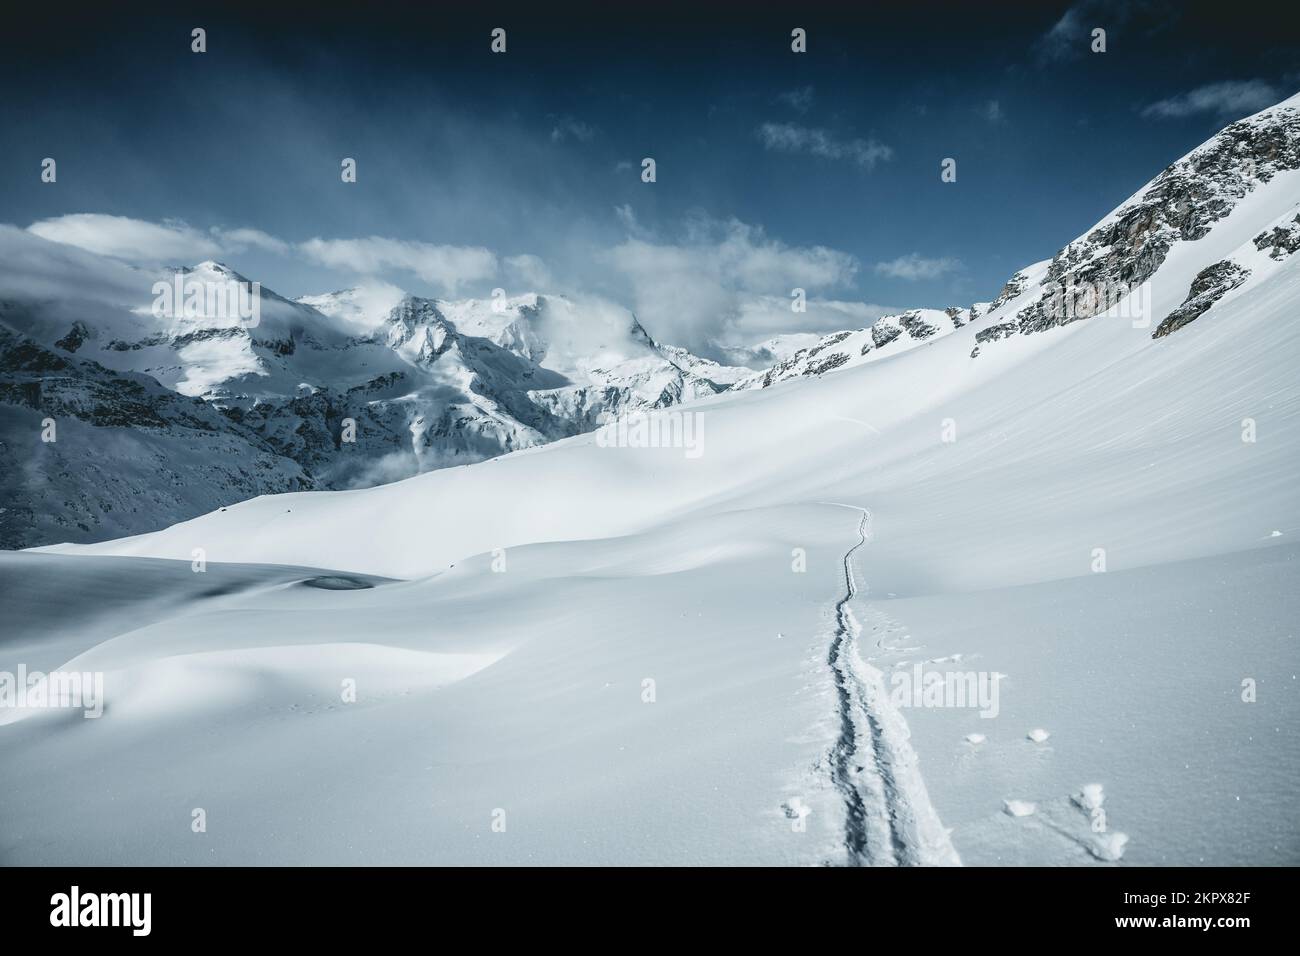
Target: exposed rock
(916, 326)
(1210, 285)
(1280, 241)
(76, 335)
(882, 333)
(127, 454)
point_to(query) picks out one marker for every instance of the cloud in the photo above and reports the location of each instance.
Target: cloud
(800, 100)
(530, 271)
(132, 240)
(695, 289)
(566, 127)
(992, 111)
(238, 239)
(1064, 40)
(1070, 37)
(152, 243)
(627, 218)
(914, 266)
(445, 266)
(790, 138)
(32, 267)
(174, 242)
(709, 281)
(1232, 98)
(764, 316)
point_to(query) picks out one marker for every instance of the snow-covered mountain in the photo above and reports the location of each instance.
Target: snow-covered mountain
(1110, 267)
(86, 451)
(350, 389)
(888, 335)
(624, 653)
(365, 386)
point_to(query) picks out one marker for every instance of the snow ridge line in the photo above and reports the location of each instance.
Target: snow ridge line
(889, 820)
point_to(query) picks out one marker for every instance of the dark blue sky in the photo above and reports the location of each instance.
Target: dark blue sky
(761, 153)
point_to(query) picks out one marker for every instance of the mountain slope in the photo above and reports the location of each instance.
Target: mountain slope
(348, 390)
(87, 452)
(605, 652)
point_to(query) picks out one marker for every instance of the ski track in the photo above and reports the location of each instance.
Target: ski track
(889, 820)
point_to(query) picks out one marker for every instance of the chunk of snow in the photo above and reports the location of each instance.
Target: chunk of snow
(1091, 797)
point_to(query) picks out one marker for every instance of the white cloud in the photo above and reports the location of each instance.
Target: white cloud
(530, 271)
(237, 239)
(915, 266)
(132, 240)
(992, 111)
(791, 138)
(800, 100)
(32, 267)
(152, 243)
(1233, 98)
(174, 242)
(690, 291)
(445, 266)
(762, 317)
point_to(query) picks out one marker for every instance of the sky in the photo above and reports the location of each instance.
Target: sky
(522, 170)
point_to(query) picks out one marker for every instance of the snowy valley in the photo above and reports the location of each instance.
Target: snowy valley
(543, 646)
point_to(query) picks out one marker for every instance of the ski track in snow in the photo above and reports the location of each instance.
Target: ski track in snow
(889, 820)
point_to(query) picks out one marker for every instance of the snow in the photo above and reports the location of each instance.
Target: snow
(575, 640)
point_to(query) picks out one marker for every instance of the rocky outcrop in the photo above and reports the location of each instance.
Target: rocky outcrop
(1280, 241)
(1210, 285)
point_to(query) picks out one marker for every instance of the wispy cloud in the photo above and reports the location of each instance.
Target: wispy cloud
(566, 127)
(763, 316)
(696, 287)
(800, 100)
(791, 138)
(628, 220)
(236, 239)
(1064, 41)
(992, 111)
(447, 267)
(1232, 98)
(914, 266)
(34, 267)
(529, 271)
(1071, 37)
(173, 242)
(132, 240)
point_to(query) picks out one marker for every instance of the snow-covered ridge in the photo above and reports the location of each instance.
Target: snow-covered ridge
(1099, 271)
(888, 335)
(1246, 173)
(350, 389)
(371, 385)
